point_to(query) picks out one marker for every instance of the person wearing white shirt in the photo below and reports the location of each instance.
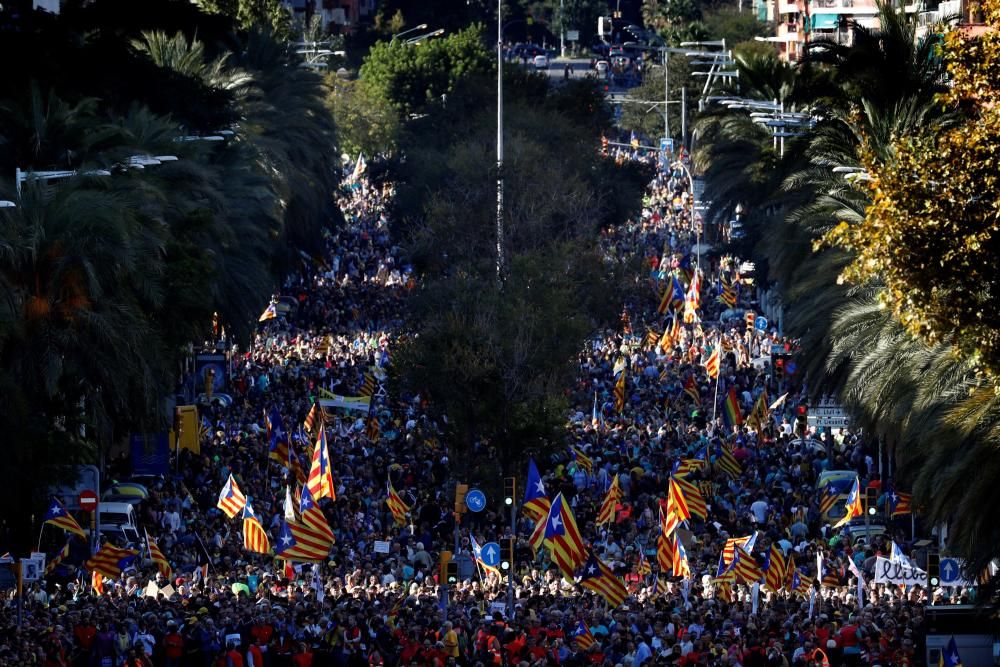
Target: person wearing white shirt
(759, 509)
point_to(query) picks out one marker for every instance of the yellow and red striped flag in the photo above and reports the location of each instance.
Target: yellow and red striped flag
(562, 533)
(598, 577)
(712, 364)
(320, 480)
(642, 567)
(157, 557)
(58, 558)
(748, 571)
(314, 418)
(254, 536)
(231, 499)
(620, 392)
(582, 460)
(681, 566)
(396, 505)
(58, 516)
(610, 504)
(109, 560)
(665, 554)
(315, 527)
(774, 568)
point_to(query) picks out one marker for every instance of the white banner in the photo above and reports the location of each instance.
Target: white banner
(887, 572)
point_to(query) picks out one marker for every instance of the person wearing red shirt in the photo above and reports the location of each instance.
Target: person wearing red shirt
(233, 656)
(303, 656)
(173, 646)
(262, 631)
(255, 657)
(84, 633)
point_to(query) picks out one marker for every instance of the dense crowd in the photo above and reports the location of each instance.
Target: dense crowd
(386, 607)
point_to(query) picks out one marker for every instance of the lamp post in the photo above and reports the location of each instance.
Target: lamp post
(499, 222)
(694, 223)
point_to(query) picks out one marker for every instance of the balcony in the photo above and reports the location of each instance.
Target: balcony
(788, 8)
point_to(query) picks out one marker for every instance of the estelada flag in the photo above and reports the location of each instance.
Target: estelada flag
(610, 504)
(561, 531)
(58, 516)
(596, 576)
(231, 499)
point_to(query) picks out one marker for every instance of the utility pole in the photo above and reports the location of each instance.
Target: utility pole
(666, 93)
(562, 31)
(500, 258)
(684, 131)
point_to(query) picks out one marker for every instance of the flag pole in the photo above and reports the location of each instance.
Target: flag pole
(715, 400)
(40, 530)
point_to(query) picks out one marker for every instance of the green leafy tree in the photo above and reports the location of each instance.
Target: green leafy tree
(270, 15)
(365, 122)
(644, 115)
(497, 361)
(412, 76)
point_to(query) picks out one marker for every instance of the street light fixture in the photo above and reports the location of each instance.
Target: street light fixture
(420, 38)
(22, 176)
(422, 26)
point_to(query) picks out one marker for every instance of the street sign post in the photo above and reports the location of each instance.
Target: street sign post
(475, 500)
(490, 555)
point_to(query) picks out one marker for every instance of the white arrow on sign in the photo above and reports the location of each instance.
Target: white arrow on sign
(948, 569)
(490, 554)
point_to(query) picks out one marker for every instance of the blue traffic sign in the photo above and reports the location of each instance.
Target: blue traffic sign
(490, 555)
(760, 323)
(951, 570)
(475, 500)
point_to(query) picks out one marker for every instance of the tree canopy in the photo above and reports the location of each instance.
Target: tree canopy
(107, 277)
(496, 361)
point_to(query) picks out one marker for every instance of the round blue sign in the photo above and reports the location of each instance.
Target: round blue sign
(475, 500)
(760, 323)
(490, 554)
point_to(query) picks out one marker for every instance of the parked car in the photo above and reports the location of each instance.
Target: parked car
(118, 520)
(541, 62)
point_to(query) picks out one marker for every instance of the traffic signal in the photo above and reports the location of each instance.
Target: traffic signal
(460, 491)
(933, 569)
(801, 419)
(452, 573)
(779, 368)
(443, 566)
(509, 491)
(506, 554)
(871, 500)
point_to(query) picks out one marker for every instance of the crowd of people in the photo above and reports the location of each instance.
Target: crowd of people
(378, 600)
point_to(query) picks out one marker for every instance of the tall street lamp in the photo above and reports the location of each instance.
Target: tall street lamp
(499, 222)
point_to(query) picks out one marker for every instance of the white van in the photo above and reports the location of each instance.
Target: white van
(541, 62)
(118, 520)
